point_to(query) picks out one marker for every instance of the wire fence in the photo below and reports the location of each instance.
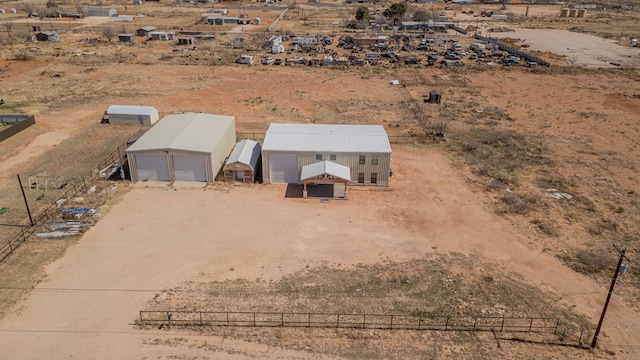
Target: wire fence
(70, 190)
(548, 330)
(354, 321)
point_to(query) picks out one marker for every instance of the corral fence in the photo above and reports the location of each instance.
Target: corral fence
(349, 321)
(393, 139)
(70, 190)
(498, 324)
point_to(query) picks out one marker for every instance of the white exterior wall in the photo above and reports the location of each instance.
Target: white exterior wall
(223, 149)
(350, 160)
(130, 119)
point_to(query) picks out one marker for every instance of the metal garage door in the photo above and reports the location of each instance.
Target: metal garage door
(189, 168)
(152, 167)
(283, 168)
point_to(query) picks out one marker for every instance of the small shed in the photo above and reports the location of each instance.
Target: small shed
(126, 38)
(99, 11)
(162, 35)
(242, 165)
(183, 147)
(47, 36)
(435, 97)
(132, 115)
(186, 41)
(145, 31)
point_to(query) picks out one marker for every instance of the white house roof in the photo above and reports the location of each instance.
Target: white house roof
(325, 167)
(246, 152)
(197, 132)
(327, 138)
(131, 110)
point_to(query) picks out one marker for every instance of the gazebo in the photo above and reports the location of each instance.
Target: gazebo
(326, 172)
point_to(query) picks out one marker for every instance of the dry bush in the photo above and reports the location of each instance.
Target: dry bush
(547, 227)
(515, 204)
(23, 55)
(588, 262)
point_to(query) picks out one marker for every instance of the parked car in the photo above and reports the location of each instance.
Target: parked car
(412, 60)
(278, 62)
(473, 56)
(267, 61)
(511, 61)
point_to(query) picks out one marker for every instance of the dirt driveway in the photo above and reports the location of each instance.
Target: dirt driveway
(158, 236)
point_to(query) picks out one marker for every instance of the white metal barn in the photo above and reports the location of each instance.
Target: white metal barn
(363, 149)
(243, 162)
(183, 147)
(132, 115)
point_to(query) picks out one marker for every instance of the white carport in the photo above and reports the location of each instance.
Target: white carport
(183, 147)
(326, 172)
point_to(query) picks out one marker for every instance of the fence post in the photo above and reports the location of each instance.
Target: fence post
(419, 323)
(446, 324)
(530, 325)
(227, 318)
(169, 318)
(254, 319)
(580, 339)
(557, 323)
(391, 324)
(337, 320)
(200, 312)
(281, 319)
(475, 321)
(364, 321)
(502, 326)
(141, 321)
(309, 319)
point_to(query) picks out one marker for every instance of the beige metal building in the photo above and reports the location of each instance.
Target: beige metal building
(363, 149)
(183, 147)
(242, 164)
(132, 115)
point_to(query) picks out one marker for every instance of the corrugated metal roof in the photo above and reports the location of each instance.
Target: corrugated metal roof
(191, 132)
(130, 110)
(325, 167)
(327, 138)
(246, 152)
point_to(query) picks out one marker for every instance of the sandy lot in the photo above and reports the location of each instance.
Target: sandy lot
(154, 239)
(580, 49)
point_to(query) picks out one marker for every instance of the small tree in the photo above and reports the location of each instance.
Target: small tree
(395, 12)
(8, 25)
(82, 10)
(109, 33)
(29, 7)
(362, 13)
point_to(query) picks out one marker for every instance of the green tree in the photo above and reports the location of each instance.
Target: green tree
(395, 12)
(362, 13)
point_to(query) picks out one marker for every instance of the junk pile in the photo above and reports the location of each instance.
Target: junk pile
(71, 227)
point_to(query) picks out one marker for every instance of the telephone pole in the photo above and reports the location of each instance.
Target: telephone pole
(613, 284)
(25, 200)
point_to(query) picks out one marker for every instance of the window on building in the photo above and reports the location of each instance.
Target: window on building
(318, 156)
(374, 178)
(362, 160)
(374, 159)
(360, 178)
(332, 157)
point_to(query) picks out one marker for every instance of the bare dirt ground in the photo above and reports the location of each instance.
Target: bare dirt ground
(476, 203)
(92, 295)
(580, 49)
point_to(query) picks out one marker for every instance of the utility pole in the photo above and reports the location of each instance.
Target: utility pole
(25, 200)
(613, 284)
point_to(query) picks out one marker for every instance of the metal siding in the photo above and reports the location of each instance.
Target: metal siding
(284, 168)
(128, 119)
(152, 167)
(189, 167)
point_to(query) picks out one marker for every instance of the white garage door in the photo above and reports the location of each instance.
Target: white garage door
(152, 167)
(283, 168)
(189, 168)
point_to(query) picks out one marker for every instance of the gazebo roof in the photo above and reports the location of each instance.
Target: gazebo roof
(325, 167)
